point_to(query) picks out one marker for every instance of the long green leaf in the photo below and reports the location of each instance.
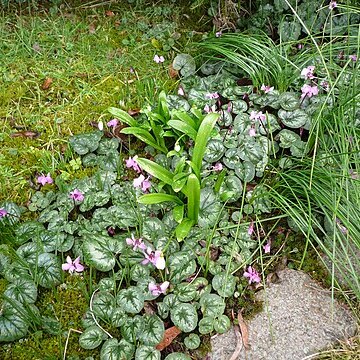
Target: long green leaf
(144, 136)
(163, 107)
(185, 117)
(184, 128)
(193, 191)
(150, 199)
(202, 138)
(183, 229)
(123, 116)
(156, 170)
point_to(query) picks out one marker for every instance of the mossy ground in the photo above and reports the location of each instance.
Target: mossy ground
(89, 55)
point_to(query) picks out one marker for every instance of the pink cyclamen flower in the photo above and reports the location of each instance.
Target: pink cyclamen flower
(266, 88)
(42, 179)
(77, 195)
(181, 91)
(251, 228)
(300, 46)
(332, 5)
(72, 266)
(157, 289)
(159, 59)
(112, 123)
(267, 247)
(309, 91)
(325, 85)
(142, 183)
(257, 115)
(136, 243)
(217, 167)
(252, 132)
(3, 212)
(209, 109)
(252, 275)
(353, 57)
(154, 257)
(218, 34)
(308, 72)
(214, 95)
(132, 164)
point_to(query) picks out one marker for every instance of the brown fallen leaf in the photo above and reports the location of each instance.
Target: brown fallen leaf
(169, 335)
(133, 112)
(244, 331)
(26, 134)
(46, 84)
(92, 28)
(172, 72)
(109, 13)
(239, 344)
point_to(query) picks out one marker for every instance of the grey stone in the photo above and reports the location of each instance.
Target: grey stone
(299, 319)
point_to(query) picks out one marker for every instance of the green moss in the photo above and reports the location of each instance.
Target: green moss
(65, 303)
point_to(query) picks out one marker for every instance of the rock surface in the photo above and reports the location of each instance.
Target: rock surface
(299, 319)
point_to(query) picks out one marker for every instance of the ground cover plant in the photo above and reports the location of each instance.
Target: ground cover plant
(158, 225)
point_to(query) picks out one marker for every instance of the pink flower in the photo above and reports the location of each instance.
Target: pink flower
(309, 91)
(157, 289)
(252, 132)
(252, 275)
(131, 163)
(257, 115)
(266, 88)
(159, 59)
(136, 243)
(251, 228)
(325, 85)
(308, 72)
(218, 34)
(3, 212)
(267, 247)
(209, 109)
(214, 95)
(332, 5)
(77, 195)
(154, 257)
(142, 183)
(181, 91)
(353, 57)
(113, 123)
(217, 167)
(300, 46)
(42, 179)
(72, 266)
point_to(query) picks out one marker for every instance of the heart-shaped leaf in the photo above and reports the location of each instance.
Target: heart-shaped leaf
(48, 270)
(185, 292)
(177, 356)
(231, 189)
(153, 330)
(293, 119)
(103, 305)
(245, 171)
(181, 266)
(214, 150)
(22, 291)
(131, 300)
(210, 208)
(147, 353)
(184, 316)
(192, 341)
(224, 284)
(206, 325)
(222, 324)
(184, 63)
(212, 305)
(12, 325)
(113, 349)
(92, 337)
(85, 143)
(289, 101)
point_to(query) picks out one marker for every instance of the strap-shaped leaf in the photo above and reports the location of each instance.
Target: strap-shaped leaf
(193, 193)
(156, 170)
(184, 128)
(144, 136)
(123, 116)
(163, 107)
(185, 117)
(150, 199)
(183, 229)
(202, 138)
